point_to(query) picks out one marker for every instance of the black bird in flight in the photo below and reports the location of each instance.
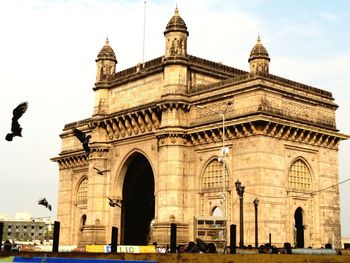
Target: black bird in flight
(83, 139)
(113, 203)
(100, 172)
(16, 129)
(45, 203)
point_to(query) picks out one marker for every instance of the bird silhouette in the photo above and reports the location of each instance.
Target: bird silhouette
(83, 139)
(16, 129)
(115, 203)
(100, 172)
(45, 203)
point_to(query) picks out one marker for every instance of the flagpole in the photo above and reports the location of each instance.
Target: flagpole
(144, 32)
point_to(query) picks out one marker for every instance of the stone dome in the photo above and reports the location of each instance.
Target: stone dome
(259, 51)
(106, 53)
(176, 23)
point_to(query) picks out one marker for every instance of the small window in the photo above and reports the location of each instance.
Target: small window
(217, 212)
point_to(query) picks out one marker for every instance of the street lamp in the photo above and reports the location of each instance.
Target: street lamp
(256, 203)
(240, 192)
(224, 151)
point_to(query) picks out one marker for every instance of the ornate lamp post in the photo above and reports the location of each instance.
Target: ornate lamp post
(240, 192)
(224, 151)
(256, 203)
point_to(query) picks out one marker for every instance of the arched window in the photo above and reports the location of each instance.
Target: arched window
(213, 176)
(82, 192)
(82, 222)
(299, 176)
(217, 211)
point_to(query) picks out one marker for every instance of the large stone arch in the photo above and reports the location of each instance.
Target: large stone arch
(135, 184)
(79, 209)
(208, 208)
(303, 205)
(118, 179)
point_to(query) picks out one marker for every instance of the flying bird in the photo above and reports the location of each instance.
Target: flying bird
(16, 129)
(100, 172)
(45, 203)
(113, 203)
(83, 139)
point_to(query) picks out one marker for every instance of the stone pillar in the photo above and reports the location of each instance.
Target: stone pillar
(170, 192)
(94, 232)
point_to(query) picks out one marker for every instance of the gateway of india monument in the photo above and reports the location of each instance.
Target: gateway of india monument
(181, 139)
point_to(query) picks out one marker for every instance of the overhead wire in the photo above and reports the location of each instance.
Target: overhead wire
(303, 194)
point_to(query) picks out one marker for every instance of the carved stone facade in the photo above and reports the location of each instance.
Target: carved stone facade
(157, 134)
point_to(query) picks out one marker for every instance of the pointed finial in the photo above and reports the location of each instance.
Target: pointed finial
(259, 40)
(107, 41)
(176, 10)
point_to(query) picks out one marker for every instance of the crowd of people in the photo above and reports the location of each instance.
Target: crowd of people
(192, 247)
(8, 246)
(202, 247)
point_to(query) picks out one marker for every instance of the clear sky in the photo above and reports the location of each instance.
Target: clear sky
(48, 51)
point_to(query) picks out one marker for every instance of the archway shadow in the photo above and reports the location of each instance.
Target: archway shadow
(138, 201)
(298, 216)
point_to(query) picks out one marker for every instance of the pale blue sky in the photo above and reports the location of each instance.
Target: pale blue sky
(48, 51)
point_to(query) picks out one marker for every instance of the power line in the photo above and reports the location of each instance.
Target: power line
(303, 194)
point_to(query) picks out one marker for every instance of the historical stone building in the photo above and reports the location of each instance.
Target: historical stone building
(174, 134)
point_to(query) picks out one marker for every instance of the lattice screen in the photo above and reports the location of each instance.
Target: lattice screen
(213, 175)
(82, 192)
(299, 176)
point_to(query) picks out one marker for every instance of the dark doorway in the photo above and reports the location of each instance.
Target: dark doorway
(138, 201)
(298, 216)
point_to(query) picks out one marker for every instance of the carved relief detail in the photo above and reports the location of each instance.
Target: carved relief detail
(214, 110)
(298, 109)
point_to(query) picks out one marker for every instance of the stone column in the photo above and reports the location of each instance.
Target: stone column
(170, 192)
(94, 231)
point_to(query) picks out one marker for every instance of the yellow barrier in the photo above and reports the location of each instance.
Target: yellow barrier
(95, 248)
(6, 259)
(120, 249)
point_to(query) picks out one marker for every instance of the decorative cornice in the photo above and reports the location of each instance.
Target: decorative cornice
(219, 67)
(130, 123)
(165, 105)
(67, 161)
(289, 110)
(267, 128)
(172, 138)
(156, 65)
(70, 159)
(241, 78)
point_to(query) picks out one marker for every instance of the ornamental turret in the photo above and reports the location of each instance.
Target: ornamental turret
(105, 62)
(176, 37)
(259, 58)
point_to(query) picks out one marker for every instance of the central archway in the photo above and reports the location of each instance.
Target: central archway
(138, 201)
